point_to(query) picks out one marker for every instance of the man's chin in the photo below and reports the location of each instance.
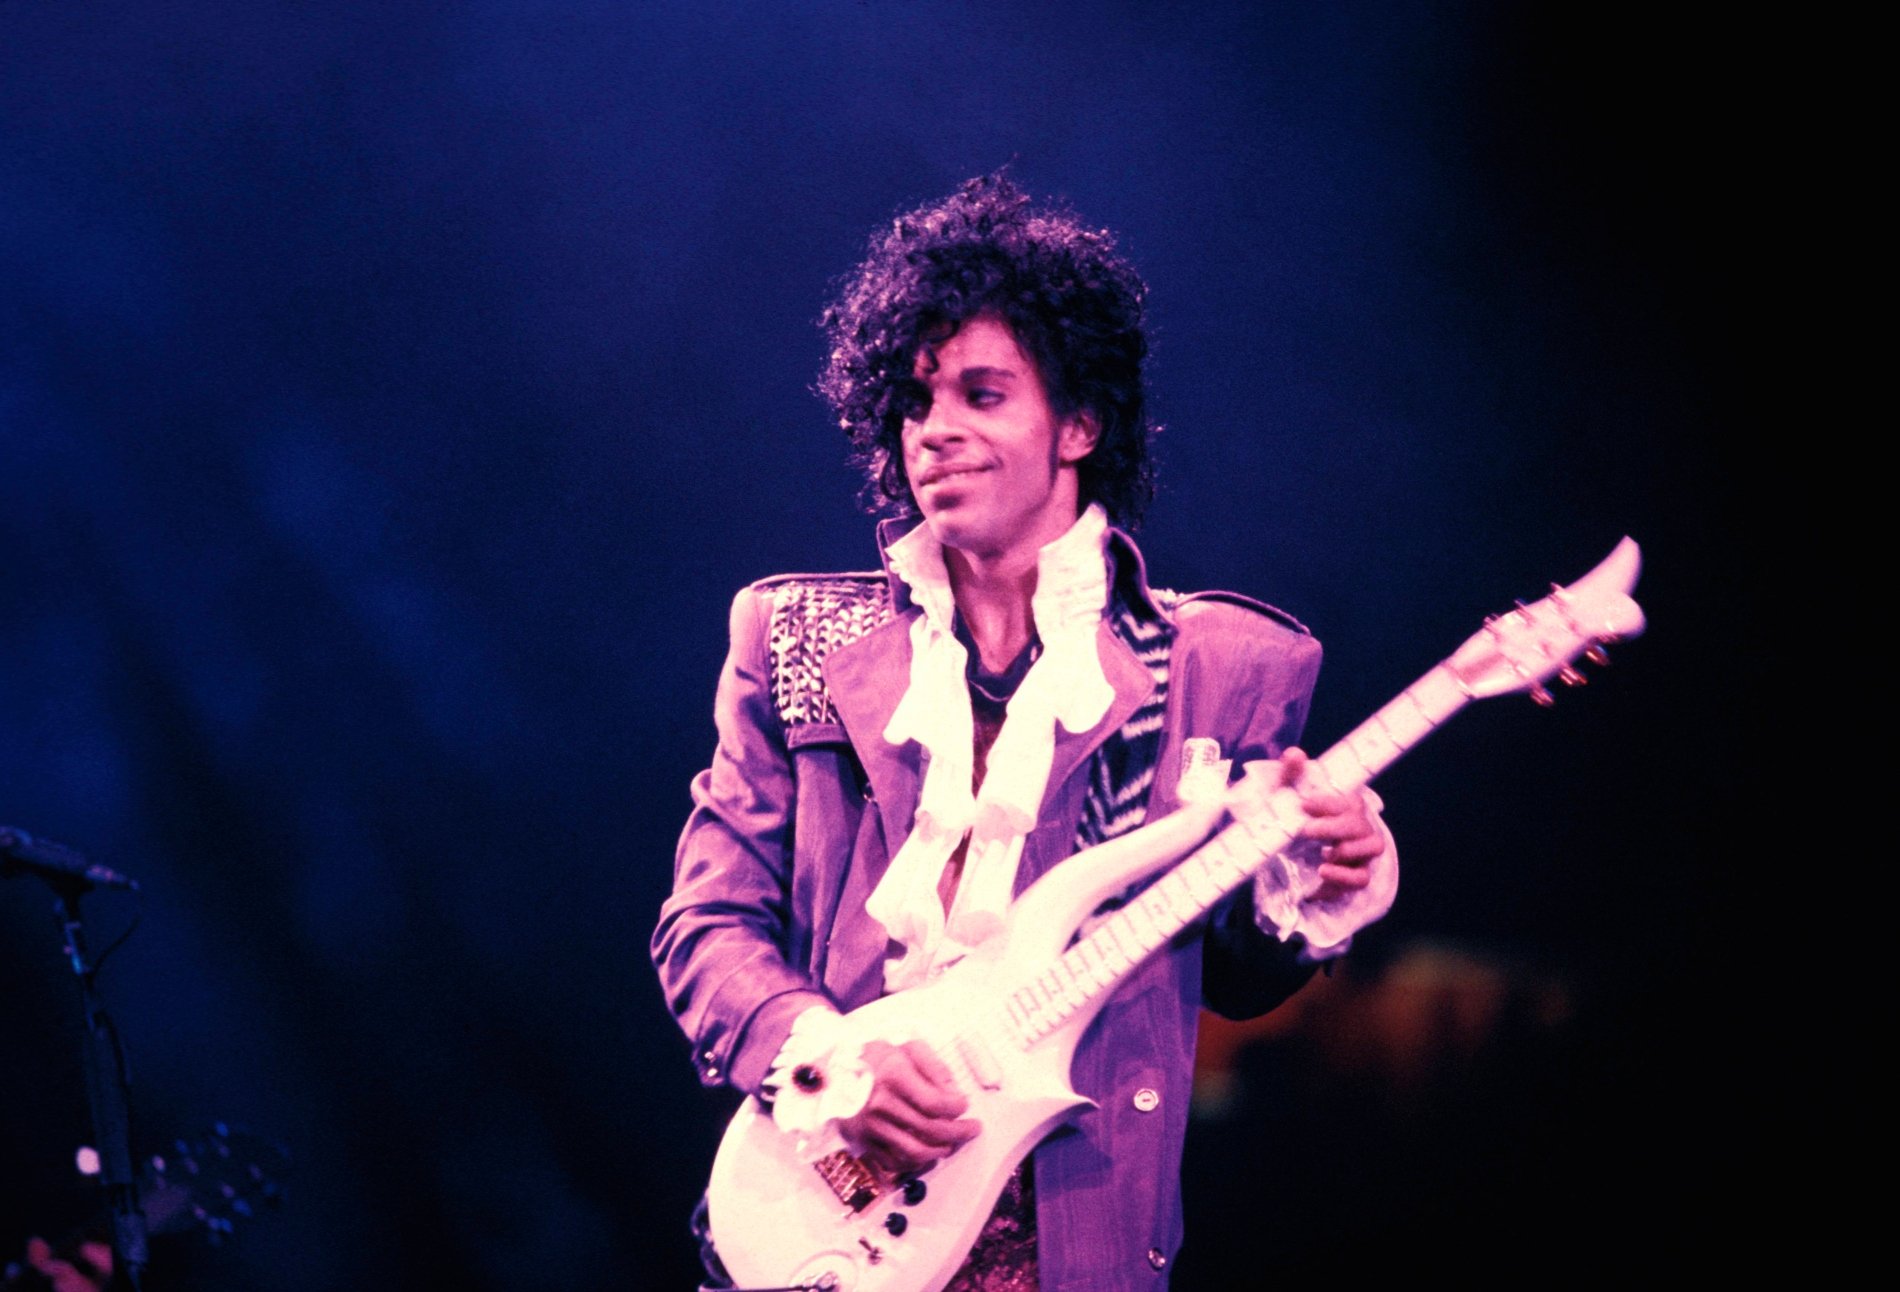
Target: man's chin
(950, 528)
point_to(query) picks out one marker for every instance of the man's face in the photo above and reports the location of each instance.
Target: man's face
(990, 464)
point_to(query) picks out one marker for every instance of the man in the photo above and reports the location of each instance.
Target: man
(900, 753)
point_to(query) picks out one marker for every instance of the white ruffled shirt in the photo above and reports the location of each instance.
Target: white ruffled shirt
(1065, 685)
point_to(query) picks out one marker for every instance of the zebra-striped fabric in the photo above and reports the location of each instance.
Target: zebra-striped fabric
(1123, 769)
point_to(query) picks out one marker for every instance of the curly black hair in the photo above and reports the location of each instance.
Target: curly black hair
(1074, 304)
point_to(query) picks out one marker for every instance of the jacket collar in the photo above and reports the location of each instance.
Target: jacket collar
(868, 678)
(1130, 579)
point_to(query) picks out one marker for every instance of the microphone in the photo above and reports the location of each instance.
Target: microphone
(55, 862)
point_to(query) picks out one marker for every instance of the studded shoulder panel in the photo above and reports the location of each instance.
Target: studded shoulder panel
(813, 615)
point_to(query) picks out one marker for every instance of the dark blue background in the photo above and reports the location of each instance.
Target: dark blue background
(392, 398)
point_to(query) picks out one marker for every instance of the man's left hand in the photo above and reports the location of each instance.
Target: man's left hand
(1343, 823)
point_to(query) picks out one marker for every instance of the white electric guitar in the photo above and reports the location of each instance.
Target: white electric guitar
(1007, 1017)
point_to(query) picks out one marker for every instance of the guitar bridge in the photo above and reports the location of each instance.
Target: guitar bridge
(855, 1184)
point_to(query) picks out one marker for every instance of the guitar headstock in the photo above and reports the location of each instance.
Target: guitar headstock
(1524, 649)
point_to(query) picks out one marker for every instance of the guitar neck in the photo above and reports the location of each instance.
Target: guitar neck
(1097, 963)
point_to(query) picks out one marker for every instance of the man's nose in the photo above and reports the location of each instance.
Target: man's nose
(938, 427)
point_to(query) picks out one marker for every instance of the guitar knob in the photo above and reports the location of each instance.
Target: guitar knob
(897, 1222)
(1569, 676)
(1597, 655)
(1541, 697)
(914, 1191)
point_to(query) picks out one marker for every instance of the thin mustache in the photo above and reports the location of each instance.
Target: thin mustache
(944, 470)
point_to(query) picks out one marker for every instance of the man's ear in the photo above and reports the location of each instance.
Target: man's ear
(1078, 437)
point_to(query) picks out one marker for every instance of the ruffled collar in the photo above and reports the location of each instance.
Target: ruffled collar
(1064, 686)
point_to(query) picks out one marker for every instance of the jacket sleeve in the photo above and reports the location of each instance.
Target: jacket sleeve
(1255, 682)
(720, 947)
(1246, 971)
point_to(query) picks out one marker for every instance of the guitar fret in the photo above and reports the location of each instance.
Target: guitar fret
(1141, 924)
(1371, 746)
(1090, 979)
(1399, 743)
(1203, 863)
(1269, 831)
(1435, 697)
(1116, 953)
(1402, 725)
(1221, 872)
(1342, 768)
(1223, 865)
(1160, 911)
(1237, 845)
(1181, 903)
(1076, 961)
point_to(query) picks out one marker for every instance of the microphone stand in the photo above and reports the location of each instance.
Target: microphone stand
(105, 1089)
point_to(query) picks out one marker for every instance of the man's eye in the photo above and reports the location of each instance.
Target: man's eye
(984, 397)
(911, 399)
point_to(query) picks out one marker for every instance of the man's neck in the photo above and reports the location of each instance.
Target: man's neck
(994, 596)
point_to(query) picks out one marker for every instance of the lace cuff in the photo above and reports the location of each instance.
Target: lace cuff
(1290, 898)
(817, 1080)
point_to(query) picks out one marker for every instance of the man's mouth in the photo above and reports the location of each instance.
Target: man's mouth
(939, 474)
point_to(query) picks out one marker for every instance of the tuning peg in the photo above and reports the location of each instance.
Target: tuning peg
(1569, 676)
(1541, 697)
(1597, 655)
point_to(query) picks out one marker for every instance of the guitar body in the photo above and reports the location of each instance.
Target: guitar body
(777, 1223)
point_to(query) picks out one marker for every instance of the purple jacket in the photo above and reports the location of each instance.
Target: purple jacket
(805, 803)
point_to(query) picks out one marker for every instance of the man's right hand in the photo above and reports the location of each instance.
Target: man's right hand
(911, 1118)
